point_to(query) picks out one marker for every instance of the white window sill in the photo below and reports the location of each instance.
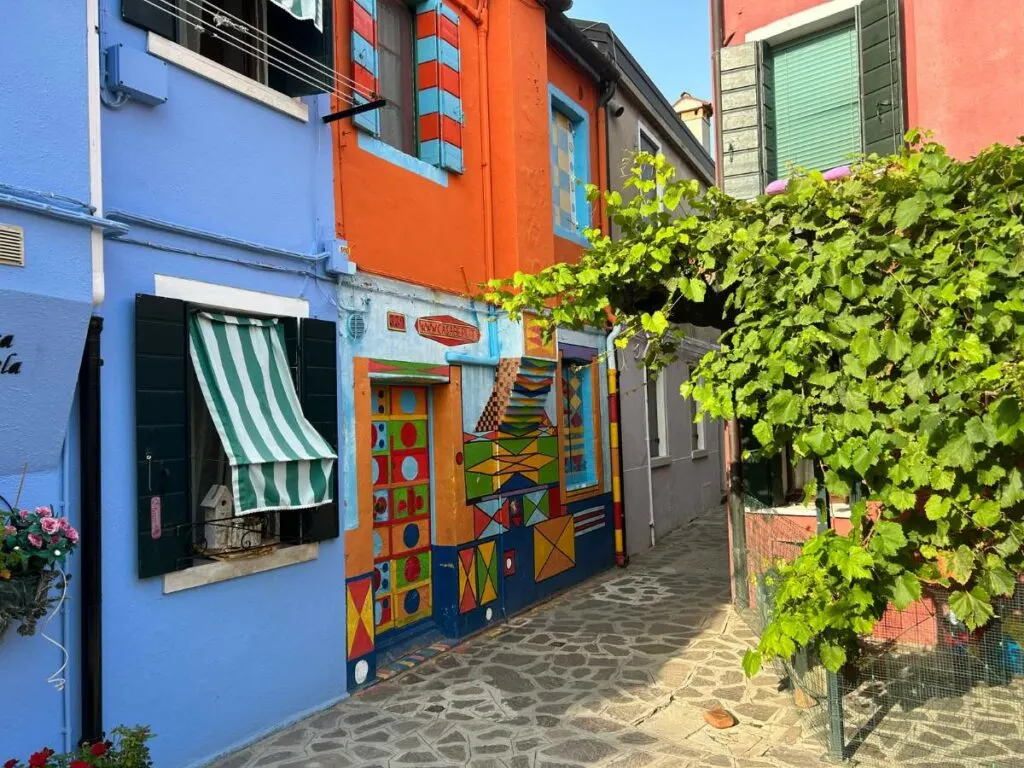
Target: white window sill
(839, 511)
(188, 59)
(657, 462)
(699, 454)
(213, 573)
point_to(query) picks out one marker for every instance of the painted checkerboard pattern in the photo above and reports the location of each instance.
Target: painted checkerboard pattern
(401, 506)
(563, 171)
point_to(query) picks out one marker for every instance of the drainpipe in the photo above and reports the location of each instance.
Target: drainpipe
(734, 469)
(615, 443)
(91, 500)
(65, 628)
(92, 31)
(650, 469)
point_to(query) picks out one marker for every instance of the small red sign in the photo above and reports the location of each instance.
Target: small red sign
(447, 330)
(396, 322)
(155, 523)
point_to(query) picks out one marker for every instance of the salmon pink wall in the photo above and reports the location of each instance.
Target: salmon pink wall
(582, 89)
(961, 64)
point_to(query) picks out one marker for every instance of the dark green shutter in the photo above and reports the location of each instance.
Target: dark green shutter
(318, 342)
(881, 66)
(161, 442)
(762, 475)
(817, 118)
(145, 14)
(290, 521)
(766, 83)
(295, 75)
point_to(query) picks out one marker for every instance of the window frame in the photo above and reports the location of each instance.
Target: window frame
(643, 131)
(409, 131)
(698, 429)
(560, 102)
(568, 354)
(191, 38)
(661, 416)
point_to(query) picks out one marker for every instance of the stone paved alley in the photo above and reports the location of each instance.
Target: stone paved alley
(617, 672)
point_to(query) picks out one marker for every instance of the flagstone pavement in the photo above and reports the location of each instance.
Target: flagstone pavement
(616, 672)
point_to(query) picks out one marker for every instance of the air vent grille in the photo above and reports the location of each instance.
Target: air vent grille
(12, 246)
(356, 327)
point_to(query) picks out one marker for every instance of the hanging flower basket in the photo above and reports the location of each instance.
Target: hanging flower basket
(26, 598)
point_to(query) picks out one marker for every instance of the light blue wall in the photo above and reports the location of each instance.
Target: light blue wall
(213, 667)
(46, 305)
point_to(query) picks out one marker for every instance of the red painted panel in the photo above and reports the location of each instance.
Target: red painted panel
(451, 131)
(365, 79)
(451, 81)
(426, 24)
(426, 75)
(362, 23)
(430, 127)
(449, 31)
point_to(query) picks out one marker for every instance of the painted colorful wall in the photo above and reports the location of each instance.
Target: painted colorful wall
(961, 78)
(452, 230)
(459, 516)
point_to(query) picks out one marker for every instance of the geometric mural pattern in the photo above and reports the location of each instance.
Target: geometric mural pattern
(359, 617)
(400, 473)
(508, 465)
(478, 575)
(516, 405)
(554, 547)
(589, 520)
(580, 450)
(533, 339)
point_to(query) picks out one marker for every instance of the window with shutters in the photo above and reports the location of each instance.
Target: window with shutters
(409, 54)
(570, 166)
(580, 422)
(814, 118)
(284, 44)
(657, 421)
(236, 419)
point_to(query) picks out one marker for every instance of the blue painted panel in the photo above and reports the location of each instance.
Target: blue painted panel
(430, 100)
(561, 102)
(421, 166)
(449, 12)
(453, 158)
(364, 52)
(434, 48)
(370, 6)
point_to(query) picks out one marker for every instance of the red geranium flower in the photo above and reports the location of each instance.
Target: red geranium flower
(80, 764)
(39, 759)
(99, 749)
(11, 763)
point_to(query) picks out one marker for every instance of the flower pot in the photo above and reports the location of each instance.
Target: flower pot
(25, 598)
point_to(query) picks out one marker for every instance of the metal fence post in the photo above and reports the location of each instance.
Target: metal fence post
(836, 736)
(737, 516)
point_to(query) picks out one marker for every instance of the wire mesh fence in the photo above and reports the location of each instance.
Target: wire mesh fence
(924, 691)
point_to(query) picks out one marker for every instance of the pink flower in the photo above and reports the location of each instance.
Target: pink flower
(10, 530)
(44, 511)
(64, 523)
(49, 525)
(55, 539)
(72, 535)
(35, 541)
(23, 514)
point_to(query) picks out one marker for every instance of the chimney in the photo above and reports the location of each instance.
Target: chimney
(696, 115)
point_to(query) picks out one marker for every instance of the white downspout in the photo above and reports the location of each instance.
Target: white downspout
(650, 478)
(92, 31)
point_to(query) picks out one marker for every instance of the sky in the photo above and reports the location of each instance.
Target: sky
(670, 38)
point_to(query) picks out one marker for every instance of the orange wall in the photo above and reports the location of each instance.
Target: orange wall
(401, 225)
(961, 62)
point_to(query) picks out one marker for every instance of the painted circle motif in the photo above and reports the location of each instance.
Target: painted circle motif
(458, 458)
(413, 569)
(375, 471)
(489, 615)
(410, 468)
(419, 502)
(411, 535)
(378, 544)
(407, 401)
(508, 563)
(378, 613)
(412, 601)
(409, 433)
(361, 670)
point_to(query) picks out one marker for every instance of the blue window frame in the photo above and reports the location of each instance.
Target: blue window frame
(570, 166)
(579, 417)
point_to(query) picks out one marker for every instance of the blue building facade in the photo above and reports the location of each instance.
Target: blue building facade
(154, 172)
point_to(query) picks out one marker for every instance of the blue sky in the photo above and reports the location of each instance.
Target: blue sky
(670, 38)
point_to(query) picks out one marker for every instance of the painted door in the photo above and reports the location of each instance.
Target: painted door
(401, 507)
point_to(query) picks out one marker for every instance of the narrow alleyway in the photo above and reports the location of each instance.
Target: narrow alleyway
(617, 672)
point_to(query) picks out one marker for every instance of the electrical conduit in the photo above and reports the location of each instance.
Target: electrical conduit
(615, 445)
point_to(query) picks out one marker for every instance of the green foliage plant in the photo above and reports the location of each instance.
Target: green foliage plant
(876, 324)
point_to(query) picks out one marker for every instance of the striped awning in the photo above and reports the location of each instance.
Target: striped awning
(278, 460)
(305, 10)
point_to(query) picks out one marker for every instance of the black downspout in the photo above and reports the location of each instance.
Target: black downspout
(92, 585)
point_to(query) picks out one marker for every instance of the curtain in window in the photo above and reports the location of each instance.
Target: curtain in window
(304, 10)
(278, 460)
(563, 170)
(578, 418)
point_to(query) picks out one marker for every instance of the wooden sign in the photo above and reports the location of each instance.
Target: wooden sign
(396, 322)
(447, 330)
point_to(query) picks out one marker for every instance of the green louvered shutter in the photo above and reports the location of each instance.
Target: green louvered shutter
(878, 25)
(816, 89)
(164, 527)
(319, 395)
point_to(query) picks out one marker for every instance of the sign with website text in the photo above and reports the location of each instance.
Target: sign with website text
(447, 330)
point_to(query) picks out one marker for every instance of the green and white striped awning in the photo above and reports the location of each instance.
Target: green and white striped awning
(305, 10)
(278, 460)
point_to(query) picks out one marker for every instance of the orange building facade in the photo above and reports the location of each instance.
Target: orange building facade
(478, 479)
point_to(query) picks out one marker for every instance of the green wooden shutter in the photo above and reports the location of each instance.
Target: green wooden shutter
(817, 101)
(161, 428)
(156, 19)
(318, 342)
(294, 74)
(762, 475)
(881, 68)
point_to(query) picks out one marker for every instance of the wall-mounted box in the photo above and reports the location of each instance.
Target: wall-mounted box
(136, 74)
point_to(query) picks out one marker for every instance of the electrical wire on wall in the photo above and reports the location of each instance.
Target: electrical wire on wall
(57, 679)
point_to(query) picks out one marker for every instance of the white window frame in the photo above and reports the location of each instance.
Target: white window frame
(641, 131)
(700, 449)
(661, 409)
(805, 23)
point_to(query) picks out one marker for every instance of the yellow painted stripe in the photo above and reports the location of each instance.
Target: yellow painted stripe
(614, 436)
(618, 540)
(613, 385)
(616, 489)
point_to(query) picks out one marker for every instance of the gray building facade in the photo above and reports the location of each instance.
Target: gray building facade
(672, 468)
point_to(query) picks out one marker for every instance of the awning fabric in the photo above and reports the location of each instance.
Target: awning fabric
(305, 10)
(278, 460)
